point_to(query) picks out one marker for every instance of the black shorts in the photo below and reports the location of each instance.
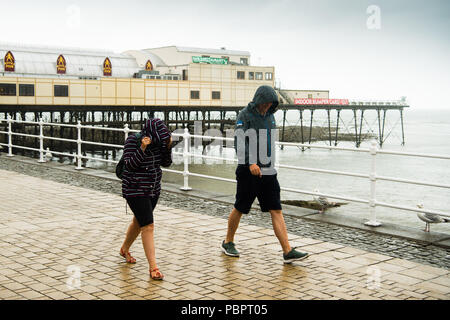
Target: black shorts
(249, 187)
(143, 209)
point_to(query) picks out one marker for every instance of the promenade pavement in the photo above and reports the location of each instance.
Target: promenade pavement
(62, 242)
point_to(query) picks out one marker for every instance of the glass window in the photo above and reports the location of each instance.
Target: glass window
(251, 76)
(259, 75)
(61, 91)
(269, 75)
(8, 89)
(241, 75)
(216, 95)
(26, 90)
(195, 94)
(244, 61)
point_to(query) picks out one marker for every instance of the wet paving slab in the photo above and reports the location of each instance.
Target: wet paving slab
(412, 245)
(61, 241)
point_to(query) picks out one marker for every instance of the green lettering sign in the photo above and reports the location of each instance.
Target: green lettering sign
(210, 60)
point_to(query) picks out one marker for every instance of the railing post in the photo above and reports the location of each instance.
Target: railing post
(10, 154)
(79, 141)
(41, 141)
(186, 140)
(373, 180)
(126, 130)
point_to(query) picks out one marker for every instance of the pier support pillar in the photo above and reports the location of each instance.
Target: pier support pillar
(329, 126)
(403, 132)
(284, 127)
(301, 129)
(311, 125)
(337, 126)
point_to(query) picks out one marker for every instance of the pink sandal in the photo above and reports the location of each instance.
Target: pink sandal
(127, 257)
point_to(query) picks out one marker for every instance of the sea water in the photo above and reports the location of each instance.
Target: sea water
(425, 131)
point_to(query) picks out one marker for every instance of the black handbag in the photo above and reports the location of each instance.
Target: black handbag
(120, 167)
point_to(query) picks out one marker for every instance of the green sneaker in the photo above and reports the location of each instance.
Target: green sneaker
(229, 249)
(294, 255)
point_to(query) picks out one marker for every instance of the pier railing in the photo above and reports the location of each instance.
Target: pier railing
(372, 176)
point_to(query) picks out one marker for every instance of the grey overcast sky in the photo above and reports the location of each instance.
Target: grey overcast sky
(400, 48)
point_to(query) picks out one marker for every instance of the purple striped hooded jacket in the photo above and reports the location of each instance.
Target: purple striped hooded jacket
(142, 173)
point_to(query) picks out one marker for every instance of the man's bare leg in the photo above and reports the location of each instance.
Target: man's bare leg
(279, 227)
(228, 244)
(233, 223)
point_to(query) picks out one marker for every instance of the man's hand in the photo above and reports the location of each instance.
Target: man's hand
(169, 145)
(255, 170)
(145, 142)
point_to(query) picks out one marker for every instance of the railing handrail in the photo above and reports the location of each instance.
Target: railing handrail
(279, 143)
(372, 176)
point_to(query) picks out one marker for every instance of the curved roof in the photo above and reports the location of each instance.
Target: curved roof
(220, 51)
(41, 60)
(142, 57)
(213, 51)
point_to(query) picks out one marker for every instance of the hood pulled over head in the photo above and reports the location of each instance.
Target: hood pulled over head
(265, 94)
(156, 130)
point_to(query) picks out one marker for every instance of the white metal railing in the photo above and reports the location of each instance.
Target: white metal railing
(372, 176)
(378, 102)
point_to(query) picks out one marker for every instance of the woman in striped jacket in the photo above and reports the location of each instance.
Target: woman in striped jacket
(141, 185)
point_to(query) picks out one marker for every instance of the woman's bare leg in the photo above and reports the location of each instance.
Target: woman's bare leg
(132, 233)
(147, 235)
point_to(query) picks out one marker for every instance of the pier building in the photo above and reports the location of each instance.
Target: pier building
(180, 84)
(169, 76)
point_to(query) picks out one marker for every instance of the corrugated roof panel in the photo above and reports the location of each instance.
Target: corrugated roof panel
(42, 61)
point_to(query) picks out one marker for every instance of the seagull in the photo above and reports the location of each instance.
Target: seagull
(318, 203)
(323, 202)
(320, 199)
(48, 155)
(430, 218)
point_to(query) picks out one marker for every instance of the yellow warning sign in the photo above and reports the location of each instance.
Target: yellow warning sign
(107, 67)
(10, 62)
(61, 65)
(148, 66)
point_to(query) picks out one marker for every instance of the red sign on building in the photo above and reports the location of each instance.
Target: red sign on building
(107, 67)
(10, 62)
(304, 101)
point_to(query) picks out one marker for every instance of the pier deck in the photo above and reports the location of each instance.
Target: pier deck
(184, 116)
(50, 229)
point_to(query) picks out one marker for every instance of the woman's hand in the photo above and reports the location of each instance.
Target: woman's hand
(145, 142)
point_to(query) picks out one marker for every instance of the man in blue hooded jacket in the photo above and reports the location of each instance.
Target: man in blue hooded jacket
(255, 174)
